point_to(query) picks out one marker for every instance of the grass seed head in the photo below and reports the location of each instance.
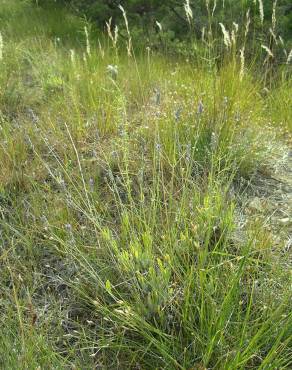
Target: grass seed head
(226, 36)
(113, 71)
(242, 61)
(261, 10)
(159, 25)
(289, 58)
(188, 11)
(274, 19)
(72, 56)
(247, 23)
(87, 40)
(268, 50)
(125, 18)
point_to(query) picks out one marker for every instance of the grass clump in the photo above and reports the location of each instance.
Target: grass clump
(134, 234)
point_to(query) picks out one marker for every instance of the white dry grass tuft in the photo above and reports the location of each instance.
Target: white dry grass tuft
(88, 48)
(242, 62)
(274, 18)
(188, 11)
(261, 10)
(226, 36)
(268, 50)
(289, 57)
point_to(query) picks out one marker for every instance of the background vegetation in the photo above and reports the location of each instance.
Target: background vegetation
(145, 185)
(144, 15)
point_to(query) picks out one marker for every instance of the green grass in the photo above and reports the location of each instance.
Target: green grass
(127, 235)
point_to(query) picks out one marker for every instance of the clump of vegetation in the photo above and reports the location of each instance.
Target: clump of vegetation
(144, 197)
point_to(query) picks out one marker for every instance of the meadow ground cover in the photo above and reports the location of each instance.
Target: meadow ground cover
(145, 199)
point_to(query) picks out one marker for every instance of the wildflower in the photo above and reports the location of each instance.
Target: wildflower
(113, 71)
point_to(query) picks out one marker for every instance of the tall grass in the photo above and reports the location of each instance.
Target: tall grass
(128, 239)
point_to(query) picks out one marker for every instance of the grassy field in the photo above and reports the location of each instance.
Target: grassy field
(145, 201)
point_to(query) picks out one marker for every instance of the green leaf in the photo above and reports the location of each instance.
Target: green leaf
(108, 286)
